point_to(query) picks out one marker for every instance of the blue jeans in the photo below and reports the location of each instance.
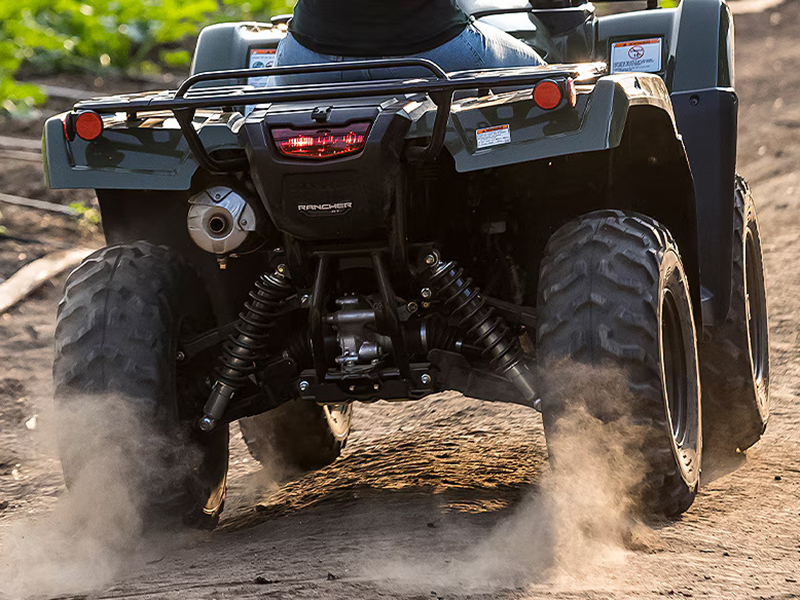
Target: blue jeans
(479, 46)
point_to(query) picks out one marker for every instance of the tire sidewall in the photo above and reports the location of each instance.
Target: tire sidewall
(191, 314)
(295, 437)
(339, 418)
(757, 298)
(736, 404)
(673, 282)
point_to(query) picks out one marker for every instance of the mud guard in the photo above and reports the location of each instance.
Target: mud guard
(708, 120)
(706, 110)
(698, 68)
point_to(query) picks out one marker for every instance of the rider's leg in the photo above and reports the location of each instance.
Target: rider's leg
(483, 46)
(292, 52)
(477, 47)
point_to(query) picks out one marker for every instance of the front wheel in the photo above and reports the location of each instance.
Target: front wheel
(617, 330)
(735, 360)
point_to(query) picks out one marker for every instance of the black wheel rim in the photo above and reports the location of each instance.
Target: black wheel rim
(756, 309)
(338, 416)
(675, 363)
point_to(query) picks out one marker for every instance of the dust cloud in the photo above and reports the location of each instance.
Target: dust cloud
(576, 523)
(257, 478)
(100, 527)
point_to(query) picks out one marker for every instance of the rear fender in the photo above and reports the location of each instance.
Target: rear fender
(595, 124)
(698, 67)
(157, 157)
(706, 110)
(619, 148)
(649, 173)
(159, 217)
(132, 158)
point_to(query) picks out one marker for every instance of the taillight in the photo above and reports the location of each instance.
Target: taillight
(321, 143)
(88, 125)
(547, 94)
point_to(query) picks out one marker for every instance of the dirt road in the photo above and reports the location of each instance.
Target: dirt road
(447, 498)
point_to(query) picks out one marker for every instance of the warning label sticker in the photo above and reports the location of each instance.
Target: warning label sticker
(637, 55)
(493, 136)
(260, 58)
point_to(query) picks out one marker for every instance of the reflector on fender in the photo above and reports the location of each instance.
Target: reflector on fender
(321, 143)
(547, 94)
(88, 125)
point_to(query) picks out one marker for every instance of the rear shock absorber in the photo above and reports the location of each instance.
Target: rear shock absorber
(489, 331)
(242, 352)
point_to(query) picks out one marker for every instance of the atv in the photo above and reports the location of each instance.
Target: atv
(277, 253)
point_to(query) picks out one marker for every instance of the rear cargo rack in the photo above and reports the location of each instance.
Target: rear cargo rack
(556, 7)
(553, 5)
(439, 86)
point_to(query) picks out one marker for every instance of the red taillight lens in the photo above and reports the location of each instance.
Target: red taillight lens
(321, 143)
(547, 94)
(88, 125)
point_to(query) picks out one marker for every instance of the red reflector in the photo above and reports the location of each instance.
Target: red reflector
(547, 94)
(321, 143)
(89, 125)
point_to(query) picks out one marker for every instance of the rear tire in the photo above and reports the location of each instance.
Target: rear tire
(735, 361)
(298, 435)
(613, 296)
(121, 390)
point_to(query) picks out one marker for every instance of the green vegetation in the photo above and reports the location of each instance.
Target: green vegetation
(90, 217)
(106, 36)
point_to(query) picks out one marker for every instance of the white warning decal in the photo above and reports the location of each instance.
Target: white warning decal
(493, 136)
(260, 58)
(642, 56)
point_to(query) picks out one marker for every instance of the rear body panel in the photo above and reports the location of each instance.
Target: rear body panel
(596, 123)
(301, 195)
(151, 154)
(692, 88)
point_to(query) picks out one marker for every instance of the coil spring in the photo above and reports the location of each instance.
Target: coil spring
(488, 330)
(243, 351)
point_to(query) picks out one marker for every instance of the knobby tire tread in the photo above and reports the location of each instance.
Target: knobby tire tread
(598, 305)
(116, 334)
